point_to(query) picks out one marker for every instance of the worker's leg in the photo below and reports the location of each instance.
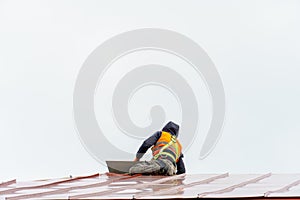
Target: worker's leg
(167, 167)
(154, 167)
(146, 167)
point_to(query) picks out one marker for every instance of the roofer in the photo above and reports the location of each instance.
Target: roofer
(166, 151)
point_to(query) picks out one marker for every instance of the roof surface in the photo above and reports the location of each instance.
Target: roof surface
(115, 186)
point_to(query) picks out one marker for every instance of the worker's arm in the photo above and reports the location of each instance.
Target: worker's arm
(147, 144)
(180, 165)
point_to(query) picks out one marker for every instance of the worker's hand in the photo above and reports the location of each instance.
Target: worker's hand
(136, 159)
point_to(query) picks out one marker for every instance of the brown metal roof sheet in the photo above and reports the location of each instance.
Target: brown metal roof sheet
(114, 186)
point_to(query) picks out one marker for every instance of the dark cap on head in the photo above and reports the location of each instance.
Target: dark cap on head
(172, 128)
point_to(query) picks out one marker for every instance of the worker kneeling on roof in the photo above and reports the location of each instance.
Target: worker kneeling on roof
(166, 151)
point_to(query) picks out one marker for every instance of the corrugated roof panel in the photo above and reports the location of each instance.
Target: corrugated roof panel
(113, 186)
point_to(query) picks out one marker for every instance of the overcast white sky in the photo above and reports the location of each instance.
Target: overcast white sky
(255, 46)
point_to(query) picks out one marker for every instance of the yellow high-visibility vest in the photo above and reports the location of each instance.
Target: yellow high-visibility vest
(167, 146)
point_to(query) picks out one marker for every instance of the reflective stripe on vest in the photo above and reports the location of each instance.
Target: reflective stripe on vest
(167, 145)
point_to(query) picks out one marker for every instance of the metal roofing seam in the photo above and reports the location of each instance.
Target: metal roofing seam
(64, 190)
(283, 189)
(242, 184)
(7, 183)
(107, 192)
(171, 190)
(13, 190)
